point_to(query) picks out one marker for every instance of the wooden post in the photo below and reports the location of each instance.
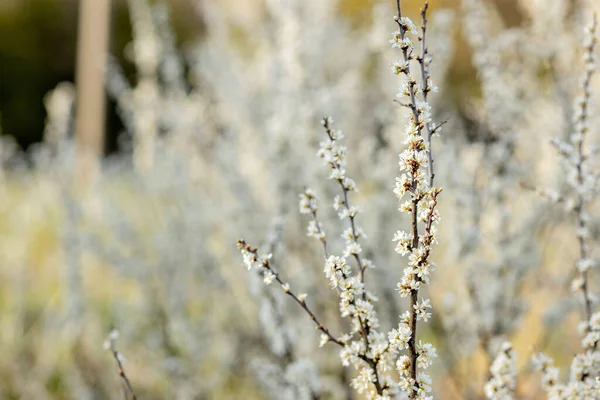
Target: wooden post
(92, 50)
(90, 106)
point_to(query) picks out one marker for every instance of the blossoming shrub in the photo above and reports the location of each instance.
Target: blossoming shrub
(220, 139)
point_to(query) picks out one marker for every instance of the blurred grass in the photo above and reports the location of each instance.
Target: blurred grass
(33, 286)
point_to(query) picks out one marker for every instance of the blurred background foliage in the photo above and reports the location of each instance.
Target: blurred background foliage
(37, 51)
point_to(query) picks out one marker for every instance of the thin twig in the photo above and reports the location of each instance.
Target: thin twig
(302, 303)
(128, 388)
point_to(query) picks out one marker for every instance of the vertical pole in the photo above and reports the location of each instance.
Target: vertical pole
(92, 50)
(90, 106)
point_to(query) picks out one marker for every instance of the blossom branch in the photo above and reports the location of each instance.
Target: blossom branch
(583, 184)
(503, 380)
(415, 162)
(347, 185)
(348, 288)
(582, 128)
(308, 205)
(252, 259)
(424, 61)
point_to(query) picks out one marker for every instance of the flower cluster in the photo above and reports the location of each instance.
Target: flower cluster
(503, 381)
(308, 205)
(253, 260)
(550, 373)
(585, 368)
